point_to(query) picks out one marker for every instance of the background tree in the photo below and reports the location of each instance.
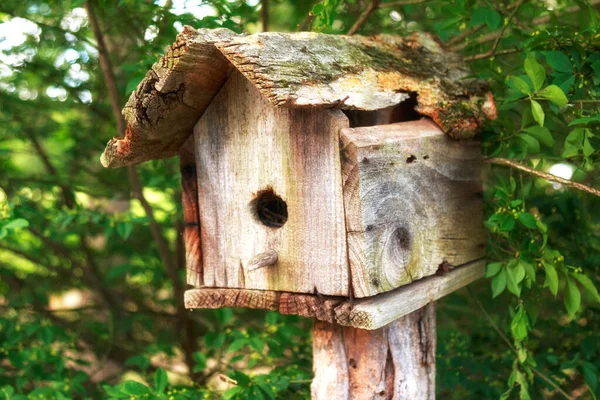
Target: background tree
(92, 260)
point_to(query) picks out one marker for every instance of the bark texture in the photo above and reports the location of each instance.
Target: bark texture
(394, 362)
(296, 70)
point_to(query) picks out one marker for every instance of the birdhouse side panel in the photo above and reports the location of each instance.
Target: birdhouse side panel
(270, 194)
(413, 203)
(191, 217)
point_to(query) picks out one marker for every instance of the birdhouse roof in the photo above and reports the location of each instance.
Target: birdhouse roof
(296, 70)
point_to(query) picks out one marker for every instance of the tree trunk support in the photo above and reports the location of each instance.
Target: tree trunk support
(395, 362)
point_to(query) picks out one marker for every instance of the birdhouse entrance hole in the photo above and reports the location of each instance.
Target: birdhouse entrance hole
(402, 112)
(270, 209)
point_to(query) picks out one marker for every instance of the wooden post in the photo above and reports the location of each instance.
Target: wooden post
(394, 362)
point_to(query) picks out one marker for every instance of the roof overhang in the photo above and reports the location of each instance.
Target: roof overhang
(303, 70)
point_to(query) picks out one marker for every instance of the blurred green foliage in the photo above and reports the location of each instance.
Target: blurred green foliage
(87, 308)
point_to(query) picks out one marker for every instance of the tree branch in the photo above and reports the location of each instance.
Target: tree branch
(492, 51)
(187, 334)
(264, 15)
(537, 21)
(373, 5)
(401, 3)
(545, 175)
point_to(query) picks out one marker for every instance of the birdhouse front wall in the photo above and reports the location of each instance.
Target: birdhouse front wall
(250, 154)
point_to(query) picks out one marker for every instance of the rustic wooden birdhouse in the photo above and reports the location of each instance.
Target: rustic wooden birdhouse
(320, 173)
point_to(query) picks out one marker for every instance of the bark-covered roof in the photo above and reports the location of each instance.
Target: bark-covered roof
(296, 70)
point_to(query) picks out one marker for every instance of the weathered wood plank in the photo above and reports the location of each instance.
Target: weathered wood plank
(191, 215)
(247, 149)
(162, 111)
(370, 313)
(393, 362)
(379, 310)
(412, 200)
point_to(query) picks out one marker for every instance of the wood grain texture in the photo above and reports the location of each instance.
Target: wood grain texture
(304, 305)
(191, 214)
(412, 200)
(246, 147)
(162, 111)
(370, 313)
(296, 70)
(393, 362)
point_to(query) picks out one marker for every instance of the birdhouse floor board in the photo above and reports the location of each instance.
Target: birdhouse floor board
(370, 313)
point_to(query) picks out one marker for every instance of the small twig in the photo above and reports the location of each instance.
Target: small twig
(264, 15)
(491, 54)
(466, 33)
(306, 24)
(545, 175)
(537, 21)
(373, 5)
(512, 347)
(401, 3)
(492, 51)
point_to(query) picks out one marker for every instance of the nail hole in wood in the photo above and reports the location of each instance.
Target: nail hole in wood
(270, 209)
(352, 362)
(411, 159)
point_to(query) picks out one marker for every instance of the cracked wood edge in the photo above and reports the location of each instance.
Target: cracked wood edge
(296, 70)
(369, 313)
(162, 111)
(396, 361)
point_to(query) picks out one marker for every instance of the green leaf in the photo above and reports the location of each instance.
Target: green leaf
(551, 281)
(17, 224)
(564, 82)
(572, 297)
(535, 72)
(519, 325)
(124, 229)
(200, 360)
(492, 269)
(559, 61)
(507, 223)
(542, 134)
(113, 392)
(486, 15)
(538, 112)
(590, 374)
(520, 84)
(585, 120)
(574, 142)
(588, 150)
(499, 283)
(587, 284)
(160, 380)
(134, 388)
(528, 220)
(554, 94)
(237, 344)
(533, 146)
(529, 271)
